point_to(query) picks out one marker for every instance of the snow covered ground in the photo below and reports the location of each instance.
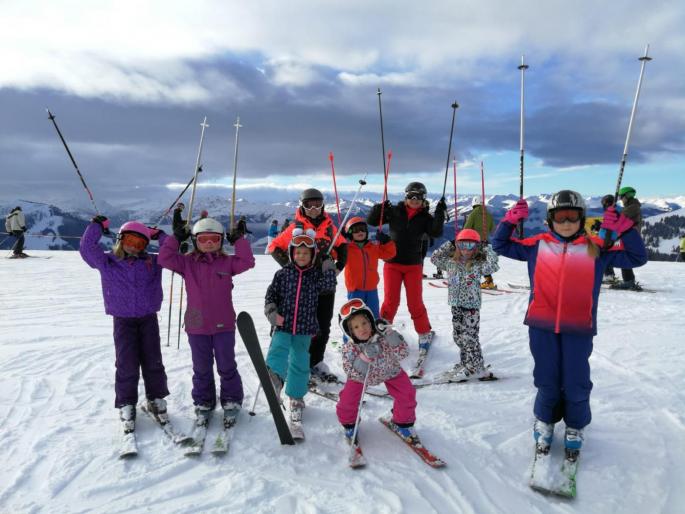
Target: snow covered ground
(59, 430)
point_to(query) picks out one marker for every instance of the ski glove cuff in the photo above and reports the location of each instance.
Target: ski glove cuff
(102, 221)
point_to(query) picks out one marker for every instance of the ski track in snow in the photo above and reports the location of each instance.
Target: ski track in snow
(60, 431)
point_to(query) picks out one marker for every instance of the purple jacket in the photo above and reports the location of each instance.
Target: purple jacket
(131, 287)
(209, 282)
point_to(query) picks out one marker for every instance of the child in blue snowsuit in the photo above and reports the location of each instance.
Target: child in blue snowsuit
(290, 306)
(565, 268)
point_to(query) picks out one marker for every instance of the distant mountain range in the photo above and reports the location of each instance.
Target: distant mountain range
(54, 227)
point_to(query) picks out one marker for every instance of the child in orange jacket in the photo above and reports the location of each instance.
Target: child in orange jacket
(361, 270)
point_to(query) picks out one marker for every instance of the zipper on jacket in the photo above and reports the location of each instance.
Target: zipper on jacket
(297, 300)
(561, 288)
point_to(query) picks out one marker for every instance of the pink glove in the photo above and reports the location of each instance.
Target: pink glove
(517, 213)
(615, 222)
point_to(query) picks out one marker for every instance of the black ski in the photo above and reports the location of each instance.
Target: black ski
(249, 336)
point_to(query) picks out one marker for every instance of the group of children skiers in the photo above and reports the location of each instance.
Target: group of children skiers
(565, 265)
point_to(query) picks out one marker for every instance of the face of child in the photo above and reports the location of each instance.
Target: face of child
(359, 235)
(131, 250)
(566, 228)
(208, 242)
(360, 327)
(302, 256)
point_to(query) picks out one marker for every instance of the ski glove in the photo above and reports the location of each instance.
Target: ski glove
(328, 265)
(154, 233)
(102, 221)
(271, 313)
(441, 206)
(383, 325)
(517, 213)
(382, 237)
(181, 233)
(615, 222)
(369, 351)
(234, 235)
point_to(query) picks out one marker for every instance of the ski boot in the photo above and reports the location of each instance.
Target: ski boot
(610, 280)
(543, 434)
(202, 413)
(127, 415)
(277, 382)
(438, 275)
(157, 407)
(348, 430)
(627, 284)
(488, 283)
(425, 340)
(231, 411)
(573, 442)
(321, 373)
(408, 433)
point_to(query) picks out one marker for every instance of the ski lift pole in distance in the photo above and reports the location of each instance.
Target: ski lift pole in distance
(523, 67)
(455, 106)
(51, 117)
(643, 60)
(197, 171)
(362, 183)
(335, 186)
(237, 126)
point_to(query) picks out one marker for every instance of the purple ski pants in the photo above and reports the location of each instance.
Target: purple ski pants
(206, 348)
(137, 347)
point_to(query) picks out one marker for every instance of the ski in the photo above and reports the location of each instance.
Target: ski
(414, 444)
(424, 348)
(295, 422)
(604, 286)
(128, 447)
(492, 292)
(329, 395)
(163, 421)
(249, 336)
(546, 479)
(224, 437)
(569, 468)
(199, 434)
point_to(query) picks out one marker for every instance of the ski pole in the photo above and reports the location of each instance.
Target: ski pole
(171, 301)
(51, 117)
(335, 186)
(197, 168)
(523, 67)
(455, 106)
(385, 190)
(362, 183)
(380, 112)
(359, 410)
(254, 403)
(643, 60)
(456, 218)
(482, 190)
(237, 126)
(180, 309)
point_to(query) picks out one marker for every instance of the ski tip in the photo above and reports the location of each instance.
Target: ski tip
(244, 315)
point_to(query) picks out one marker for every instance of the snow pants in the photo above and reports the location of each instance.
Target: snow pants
(324, 314)
(399, 387)
(465, 332)
(411, 275)
(288, 356)
(205, 349)
(370, 298)
(562, 377)
(137, 346)
(18, 247)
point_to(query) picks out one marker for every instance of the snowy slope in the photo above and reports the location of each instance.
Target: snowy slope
(59, 428)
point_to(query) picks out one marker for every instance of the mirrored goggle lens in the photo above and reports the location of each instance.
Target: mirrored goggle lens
(466, 245)
(208, 238)
(358, 228)
(349, 307)
(303, 241)
(414, 196)
(313, 204)
(134, 240)
(562, 215)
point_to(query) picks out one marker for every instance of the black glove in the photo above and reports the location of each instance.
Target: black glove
(181, 233)
(102, 221)
(234, 235)
(596, 226)
(154, 233)
(441, 206)
(382, 237)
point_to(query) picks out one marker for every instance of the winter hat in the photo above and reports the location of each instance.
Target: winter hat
(348, 310)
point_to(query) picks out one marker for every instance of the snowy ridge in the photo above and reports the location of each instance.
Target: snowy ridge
(60, 430)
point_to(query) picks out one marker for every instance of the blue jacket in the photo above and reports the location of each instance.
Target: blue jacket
(294, 294)
(564, 279)
(273, 231)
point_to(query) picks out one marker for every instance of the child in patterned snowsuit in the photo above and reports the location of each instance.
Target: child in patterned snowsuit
(374, 348)
(290, 306)
(464, 264)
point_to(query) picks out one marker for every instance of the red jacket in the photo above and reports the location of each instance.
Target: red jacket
(325, 232)
(361, 270)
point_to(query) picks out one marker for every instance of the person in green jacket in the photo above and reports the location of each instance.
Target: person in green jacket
(475, 222)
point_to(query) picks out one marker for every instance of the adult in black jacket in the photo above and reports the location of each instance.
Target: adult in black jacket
(408, 221)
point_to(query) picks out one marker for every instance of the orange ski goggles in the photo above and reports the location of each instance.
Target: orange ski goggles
(208, 238)
(134, 241)
(562, 215)
(353, 305)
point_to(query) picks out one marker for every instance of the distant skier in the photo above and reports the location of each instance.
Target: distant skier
(132, 290)
(475, 222)
(631, 210)
(15, 225)
(273, 233)
(607, 201)
(291, 306)
(242, 226)
(286, 224)
(465, 261)
(682, 248)
(565, 268)
(179, 225)
(210, 317)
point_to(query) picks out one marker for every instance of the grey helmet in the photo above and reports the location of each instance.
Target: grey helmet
(311, 194)
(416, 187)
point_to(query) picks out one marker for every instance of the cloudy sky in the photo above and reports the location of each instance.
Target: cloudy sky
(131, 81)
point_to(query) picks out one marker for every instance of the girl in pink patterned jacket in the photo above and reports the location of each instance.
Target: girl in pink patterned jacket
(375, 348)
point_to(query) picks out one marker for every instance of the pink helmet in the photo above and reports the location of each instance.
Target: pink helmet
(468, 234)
(137, 227)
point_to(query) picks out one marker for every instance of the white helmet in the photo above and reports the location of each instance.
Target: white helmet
(208, 225)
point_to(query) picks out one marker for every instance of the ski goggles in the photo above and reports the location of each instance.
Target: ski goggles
(312, 204)
(411, 195)
(303, 240)
(351, 306)
(466, 245)
(360, 227)
(134, 241)
(208, 238)
(563, 215)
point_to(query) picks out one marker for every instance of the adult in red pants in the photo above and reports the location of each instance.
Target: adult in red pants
(408, 221)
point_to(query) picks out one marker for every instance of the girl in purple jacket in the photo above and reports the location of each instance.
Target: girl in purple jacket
(210, 317)
(132, 289)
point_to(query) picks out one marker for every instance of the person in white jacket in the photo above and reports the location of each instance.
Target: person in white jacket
(15, 224)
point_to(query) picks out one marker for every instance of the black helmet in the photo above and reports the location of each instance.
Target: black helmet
(415, 187)
(608, 201)
(311, 194)
(566, 199)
